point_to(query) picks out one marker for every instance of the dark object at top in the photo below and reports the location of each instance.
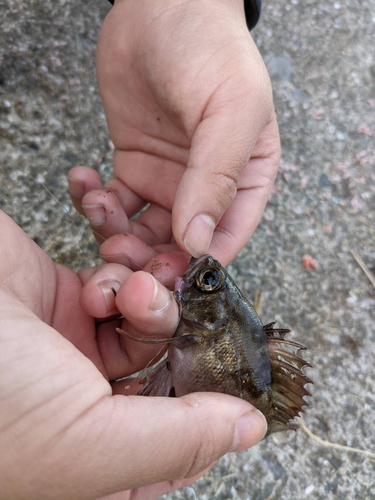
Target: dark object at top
(220, 345)
(252, 12)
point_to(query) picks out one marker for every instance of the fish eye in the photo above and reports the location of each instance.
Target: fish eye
(210, 280)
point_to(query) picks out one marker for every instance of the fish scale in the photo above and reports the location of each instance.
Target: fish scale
(220, 345)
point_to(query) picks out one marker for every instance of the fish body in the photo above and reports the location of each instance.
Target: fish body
(221, 345)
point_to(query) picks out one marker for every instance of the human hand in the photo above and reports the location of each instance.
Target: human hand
(189, 108)
(67, 428)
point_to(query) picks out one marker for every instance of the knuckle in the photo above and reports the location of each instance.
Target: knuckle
(204, 453)
(225, 185)
(273, 145)
(265, 96)
(276, 157)
(260, 91)
(205, 448)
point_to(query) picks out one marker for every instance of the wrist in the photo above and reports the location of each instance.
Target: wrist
(251, 8)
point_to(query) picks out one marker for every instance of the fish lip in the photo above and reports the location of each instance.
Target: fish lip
(179, 285)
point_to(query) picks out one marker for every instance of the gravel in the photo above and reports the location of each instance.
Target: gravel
(321, 59)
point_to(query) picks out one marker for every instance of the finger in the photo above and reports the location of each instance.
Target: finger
(132, 252)
(130, 201)
(128, 250)
(113, 288)
(148, 305)
(154, 225)
(107, 218)
(121, 356)
(237, 225)
(86, 274)
(98, 296)
(105, 214)
(155, 491)
(148, 309)
(166, 439)
(242, 217)
(82, 180)
(152, 177)
(111, 351)
(166, 267)
(221, 149)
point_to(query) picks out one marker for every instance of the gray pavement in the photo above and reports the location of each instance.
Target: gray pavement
(321, 58)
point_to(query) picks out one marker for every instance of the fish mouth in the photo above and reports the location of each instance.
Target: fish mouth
(179, 285)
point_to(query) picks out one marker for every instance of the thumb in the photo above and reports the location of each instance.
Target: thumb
(220, 151)
(135, 441)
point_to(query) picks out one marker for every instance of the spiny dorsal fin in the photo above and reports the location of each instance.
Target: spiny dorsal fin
(287, 380)
(270, 331)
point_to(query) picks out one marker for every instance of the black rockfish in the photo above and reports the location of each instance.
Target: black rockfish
(220, 345)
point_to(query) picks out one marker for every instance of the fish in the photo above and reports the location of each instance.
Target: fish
(221, 345)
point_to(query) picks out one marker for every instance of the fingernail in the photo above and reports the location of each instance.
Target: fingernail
(250, 428)
(77, 187)
(110, 289)
(95, 214)
(199, 235)
(161, 298)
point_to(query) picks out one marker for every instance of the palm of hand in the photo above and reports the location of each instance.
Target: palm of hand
(49, 294)
(46, 381)
(181, 85)
(51, 297)
(62, 433)
(54, 376)
(49, 291)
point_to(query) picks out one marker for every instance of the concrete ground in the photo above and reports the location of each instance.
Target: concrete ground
(321, 58)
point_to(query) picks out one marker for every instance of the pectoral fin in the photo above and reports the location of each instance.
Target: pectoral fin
(158, 382)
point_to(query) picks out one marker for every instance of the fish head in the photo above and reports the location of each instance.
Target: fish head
(208, 292)
(202, 291)
(220, 345)
(209, 302)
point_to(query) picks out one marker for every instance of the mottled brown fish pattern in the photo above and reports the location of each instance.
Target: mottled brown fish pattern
(221, 345)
